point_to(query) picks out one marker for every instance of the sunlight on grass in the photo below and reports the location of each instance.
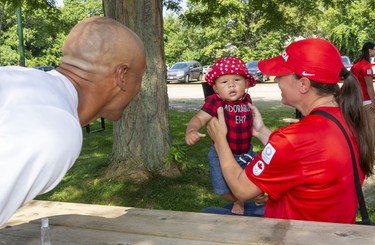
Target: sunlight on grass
(67, 194)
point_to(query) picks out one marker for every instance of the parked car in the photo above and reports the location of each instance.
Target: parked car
(185, 71)
(253, 69)
(206, 69)
(44, 68)
(347, 63)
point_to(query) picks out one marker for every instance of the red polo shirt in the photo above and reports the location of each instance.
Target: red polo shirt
(360, 70)
(306, 169)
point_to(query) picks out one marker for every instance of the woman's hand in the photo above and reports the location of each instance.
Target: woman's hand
(261, 199)
(259, 129)
(216, 128)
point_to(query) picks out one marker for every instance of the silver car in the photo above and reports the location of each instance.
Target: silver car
(346, 61)
(185, 71)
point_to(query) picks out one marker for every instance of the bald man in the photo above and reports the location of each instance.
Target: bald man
(42, 113)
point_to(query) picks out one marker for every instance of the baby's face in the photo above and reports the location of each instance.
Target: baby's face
(231, 87)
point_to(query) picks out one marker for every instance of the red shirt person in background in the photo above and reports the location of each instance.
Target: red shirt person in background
(362, 70)
(305, 168)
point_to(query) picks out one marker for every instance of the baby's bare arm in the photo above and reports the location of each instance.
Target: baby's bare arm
(192, 134)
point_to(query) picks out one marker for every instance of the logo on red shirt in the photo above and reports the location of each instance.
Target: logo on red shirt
(258, 168)
(267, 153)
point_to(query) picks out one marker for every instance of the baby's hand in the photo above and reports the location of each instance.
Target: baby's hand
(193, 136)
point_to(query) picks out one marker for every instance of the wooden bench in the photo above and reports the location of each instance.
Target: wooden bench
(73, 223)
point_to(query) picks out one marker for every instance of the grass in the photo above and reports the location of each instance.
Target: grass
(190, 191)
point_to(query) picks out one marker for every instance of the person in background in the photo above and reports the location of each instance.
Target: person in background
(305, 167)
(230, 80)
(41, 113)
(362, 70)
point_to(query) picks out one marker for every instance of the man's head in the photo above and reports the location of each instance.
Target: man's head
(98, 43)
(107, 61)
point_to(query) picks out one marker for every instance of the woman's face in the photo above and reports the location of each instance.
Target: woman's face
(289, 87)
(372, 52)
(231, 87)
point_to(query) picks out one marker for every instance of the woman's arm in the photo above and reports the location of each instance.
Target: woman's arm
(370, 90)
(235, 176)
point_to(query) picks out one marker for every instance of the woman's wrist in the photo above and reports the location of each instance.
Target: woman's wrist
(263, 134)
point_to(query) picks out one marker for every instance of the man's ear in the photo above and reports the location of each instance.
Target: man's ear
(305, 85)
(121, 76)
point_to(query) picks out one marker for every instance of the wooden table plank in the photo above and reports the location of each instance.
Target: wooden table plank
(119, 225)
(28, 234)
(39, 209)
(219, 228)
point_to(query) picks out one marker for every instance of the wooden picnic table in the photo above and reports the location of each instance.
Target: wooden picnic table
(72, 223)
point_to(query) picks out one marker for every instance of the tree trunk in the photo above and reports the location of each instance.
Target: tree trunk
(141, 138)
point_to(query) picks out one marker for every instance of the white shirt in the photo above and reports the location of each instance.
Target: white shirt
(40, 134)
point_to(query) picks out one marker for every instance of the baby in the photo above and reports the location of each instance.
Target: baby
(230, 80)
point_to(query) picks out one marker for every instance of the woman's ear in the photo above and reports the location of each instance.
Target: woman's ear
(121, 72)
(305, 85)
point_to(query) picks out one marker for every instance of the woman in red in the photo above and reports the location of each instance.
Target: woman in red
(305, 168)
(362, 70)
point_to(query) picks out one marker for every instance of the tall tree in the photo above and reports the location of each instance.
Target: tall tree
(261, 29)
(141, 137)
(39, 29)
(350, 26)
(45, 27)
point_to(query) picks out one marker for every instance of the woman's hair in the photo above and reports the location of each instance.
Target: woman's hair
(365, 54)
(349, 98)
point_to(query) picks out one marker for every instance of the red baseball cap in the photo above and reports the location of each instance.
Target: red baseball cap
(229, 65)
(314, 58)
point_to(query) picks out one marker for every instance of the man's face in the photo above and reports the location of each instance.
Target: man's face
(116, 107)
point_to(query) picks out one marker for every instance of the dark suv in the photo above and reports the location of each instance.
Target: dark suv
(185, 71)
(253, 69)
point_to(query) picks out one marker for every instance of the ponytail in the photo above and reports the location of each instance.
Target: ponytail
(350, 101)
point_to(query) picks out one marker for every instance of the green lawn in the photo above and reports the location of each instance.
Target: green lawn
(190, 191)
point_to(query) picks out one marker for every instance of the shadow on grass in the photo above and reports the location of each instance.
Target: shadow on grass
(190, 191)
